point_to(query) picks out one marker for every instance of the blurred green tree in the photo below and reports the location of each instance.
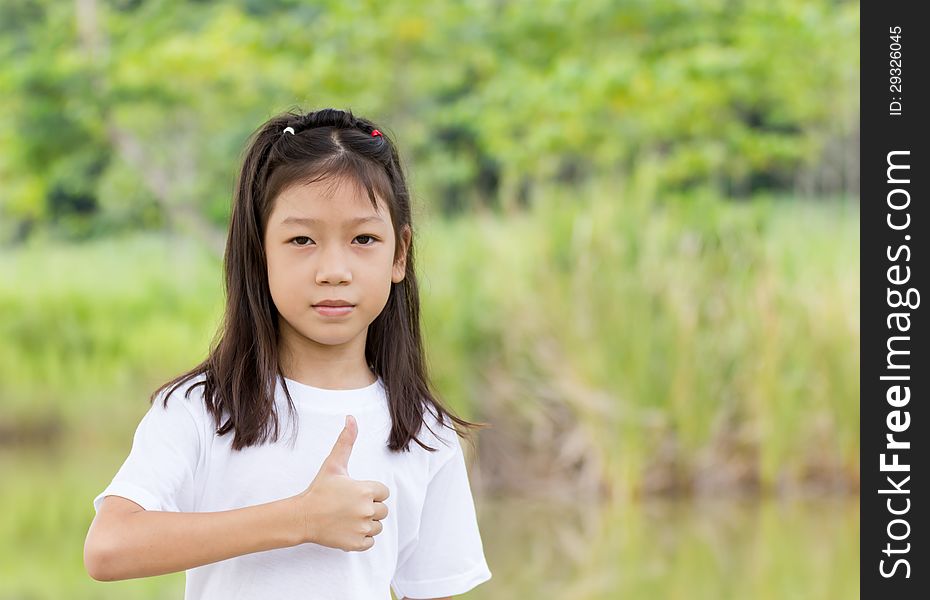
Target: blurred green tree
(133, 113)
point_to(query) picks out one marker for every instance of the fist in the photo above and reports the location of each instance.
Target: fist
(336, 510)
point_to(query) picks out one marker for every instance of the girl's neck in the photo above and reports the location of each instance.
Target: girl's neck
(330, 374)
(339, 367)
(329, 380)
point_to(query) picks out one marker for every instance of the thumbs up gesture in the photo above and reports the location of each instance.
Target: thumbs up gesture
(336, 510)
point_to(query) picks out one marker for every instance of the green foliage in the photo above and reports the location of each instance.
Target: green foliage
(698, 318)
(81, 319)
(125, 116)
(712, 316)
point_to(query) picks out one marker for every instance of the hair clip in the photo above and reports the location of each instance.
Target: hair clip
(291, 129)
(375, 132)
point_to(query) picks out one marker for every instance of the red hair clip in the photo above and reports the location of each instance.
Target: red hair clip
(375, 132)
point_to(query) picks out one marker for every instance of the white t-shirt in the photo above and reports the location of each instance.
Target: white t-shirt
(429, 547)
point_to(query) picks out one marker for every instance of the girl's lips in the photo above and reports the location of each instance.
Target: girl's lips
(333, 311)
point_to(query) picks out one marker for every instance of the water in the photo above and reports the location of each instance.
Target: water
(763, 549)
(714, 550)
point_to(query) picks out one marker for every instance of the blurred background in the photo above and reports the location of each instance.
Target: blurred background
(638, 241)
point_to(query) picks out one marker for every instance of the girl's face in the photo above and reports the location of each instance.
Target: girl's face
(330, 244)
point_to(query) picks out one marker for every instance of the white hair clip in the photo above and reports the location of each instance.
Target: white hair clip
(291, 129)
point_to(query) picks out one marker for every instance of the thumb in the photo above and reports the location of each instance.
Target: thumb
(338, 459)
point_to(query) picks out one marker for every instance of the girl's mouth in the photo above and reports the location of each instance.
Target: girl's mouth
(333, 311)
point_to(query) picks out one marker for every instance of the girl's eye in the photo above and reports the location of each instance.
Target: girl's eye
(306, 240)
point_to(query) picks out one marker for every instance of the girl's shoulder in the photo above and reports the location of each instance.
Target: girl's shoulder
(186, 395)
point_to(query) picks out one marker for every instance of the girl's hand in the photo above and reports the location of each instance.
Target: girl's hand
(336, 510)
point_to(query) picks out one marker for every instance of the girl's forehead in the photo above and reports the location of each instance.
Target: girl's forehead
(326, 201)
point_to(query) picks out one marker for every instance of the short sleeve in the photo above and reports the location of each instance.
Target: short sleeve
(158, 474)
(447, 558)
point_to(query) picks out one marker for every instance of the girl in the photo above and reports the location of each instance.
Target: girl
(322, 318)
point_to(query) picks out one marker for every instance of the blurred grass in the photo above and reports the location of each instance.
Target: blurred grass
(88, 324)
(701, 315)
(711, 314)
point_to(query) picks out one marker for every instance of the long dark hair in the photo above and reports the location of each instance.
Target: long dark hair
(242, 368)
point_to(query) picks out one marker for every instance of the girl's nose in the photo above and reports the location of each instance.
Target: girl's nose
(333, 268)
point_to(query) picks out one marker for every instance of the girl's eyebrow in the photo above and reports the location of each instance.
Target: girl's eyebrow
(311, 221)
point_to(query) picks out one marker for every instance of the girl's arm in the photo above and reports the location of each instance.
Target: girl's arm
(125, 541)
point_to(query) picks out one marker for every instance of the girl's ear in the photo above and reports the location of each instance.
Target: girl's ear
(400, 264)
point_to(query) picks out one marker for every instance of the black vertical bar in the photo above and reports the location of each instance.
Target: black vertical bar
(894, 367)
